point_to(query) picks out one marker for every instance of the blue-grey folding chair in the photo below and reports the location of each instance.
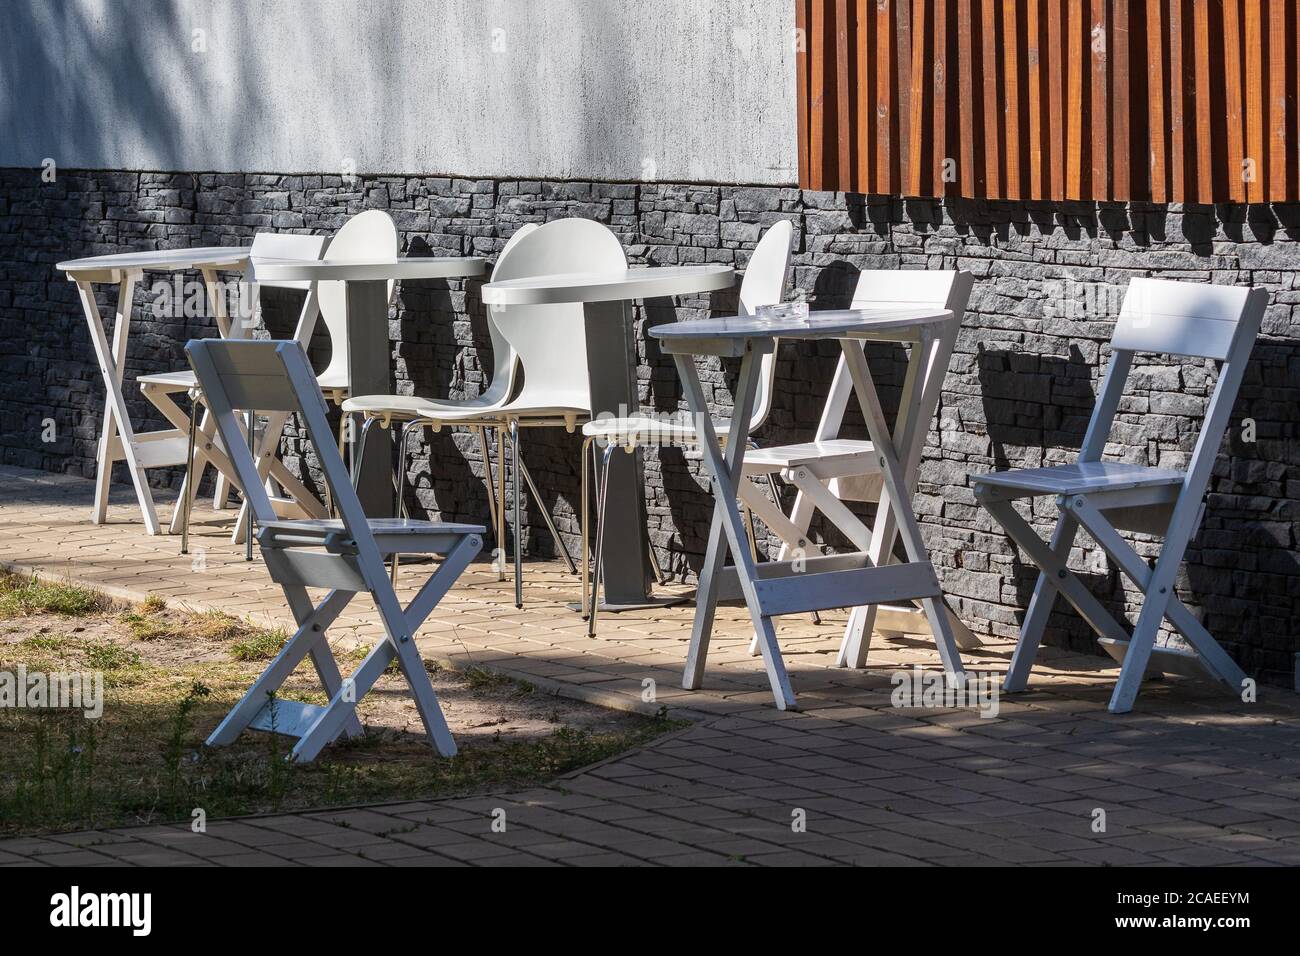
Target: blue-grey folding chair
(1107, 497)
(344, 555)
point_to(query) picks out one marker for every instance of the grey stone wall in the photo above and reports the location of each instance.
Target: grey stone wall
(1019, 389)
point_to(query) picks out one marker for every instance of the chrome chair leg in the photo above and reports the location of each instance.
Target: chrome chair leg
(602, 496)
(187, 486)
(359, 457)
(519, 537)
(501, 503)
(399, 509)
(546, 516)
(586, 462)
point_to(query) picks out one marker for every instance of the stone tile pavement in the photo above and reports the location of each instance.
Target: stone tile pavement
(1191, 777)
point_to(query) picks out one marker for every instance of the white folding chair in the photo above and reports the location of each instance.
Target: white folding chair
(766, 274)
(1107, 497)
(830, 470)
(345, 556)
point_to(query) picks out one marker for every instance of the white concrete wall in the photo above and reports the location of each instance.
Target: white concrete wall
(699, 90)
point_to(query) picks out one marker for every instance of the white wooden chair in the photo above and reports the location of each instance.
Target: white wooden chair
(1107, 497)
(162, 389)
(766, 275)
(830, 470)
(344, 556)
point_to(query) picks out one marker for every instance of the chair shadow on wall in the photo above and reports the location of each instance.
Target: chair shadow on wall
(1225, 594)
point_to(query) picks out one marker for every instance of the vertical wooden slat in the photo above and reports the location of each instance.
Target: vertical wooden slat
(1056, 97)
(817, 97)
(1011, 83)
(992, 107)
(1177, 86)
(941, 147)
(966, 176)
(1277, 97)
(916, 99)
(843, 98)
(1204, 155)
(1038, 186)
(1099, 105)
(1120, 103)
(902, 93)
(1074, 108)
(1156, 101)
(884, 29)
(1233, 103)
(864, 129)
(1257, 160)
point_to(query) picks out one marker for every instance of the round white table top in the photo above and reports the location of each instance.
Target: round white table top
(162, 260)
(831, 323)
(638, 282)
(425, 267)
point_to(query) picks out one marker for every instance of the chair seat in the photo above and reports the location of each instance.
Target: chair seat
(175, 381)
(644, 430)
(413, 406)
(402, 535)
(834, 458)
(1082, 478)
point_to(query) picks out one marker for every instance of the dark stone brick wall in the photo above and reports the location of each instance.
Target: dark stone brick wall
(1018, 392)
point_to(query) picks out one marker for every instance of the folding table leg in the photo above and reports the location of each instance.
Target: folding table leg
(726, 469)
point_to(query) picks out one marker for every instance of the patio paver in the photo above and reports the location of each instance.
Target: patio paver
(1192, 776)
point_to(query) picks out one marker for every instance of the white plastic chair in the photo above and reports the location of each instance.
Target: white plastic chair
(343, 557)
(1107, 497)
(764, 281)
(830, 470)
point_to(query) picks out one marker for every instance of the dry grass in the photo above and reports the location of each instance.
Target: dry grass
(170, 677)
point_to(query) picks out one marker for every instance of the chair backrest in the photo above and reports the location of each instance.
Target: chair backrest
(1179, 318)
(764, 284)
(368, 236)
(550, 340)
(264, 376)
(505, 362)
(276, 245)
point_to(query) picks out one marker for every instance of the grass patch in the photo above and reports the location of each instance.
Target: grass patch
(171, 676)
(23, 597)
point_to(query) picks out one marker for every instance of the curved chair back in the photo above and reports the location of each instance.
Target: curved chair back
(505, 362)
(366, 237)
(551, 340)
(763, 284)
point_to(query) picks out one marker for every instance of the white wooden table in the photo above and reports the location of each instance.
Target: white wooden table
(118, 439)
(606, 299)
(369, 347)
(805, 583)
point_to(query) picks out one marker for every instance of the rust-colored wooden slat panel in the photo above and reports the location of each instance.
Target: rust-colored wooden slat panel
(801, 61)
(940, 145)
(1233, 106)
(1177, 87)
(916, 84)
(1074, 118)
(863, 128)
(884, 29)
(1120, 103)
(1099, 103)
(1204, 164)
(1277, 97)
(1255, 164)
(967, 176)
(988, 76)
(1011, 92)
(1034, 59)
(1159, 187)
(1056, 96)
